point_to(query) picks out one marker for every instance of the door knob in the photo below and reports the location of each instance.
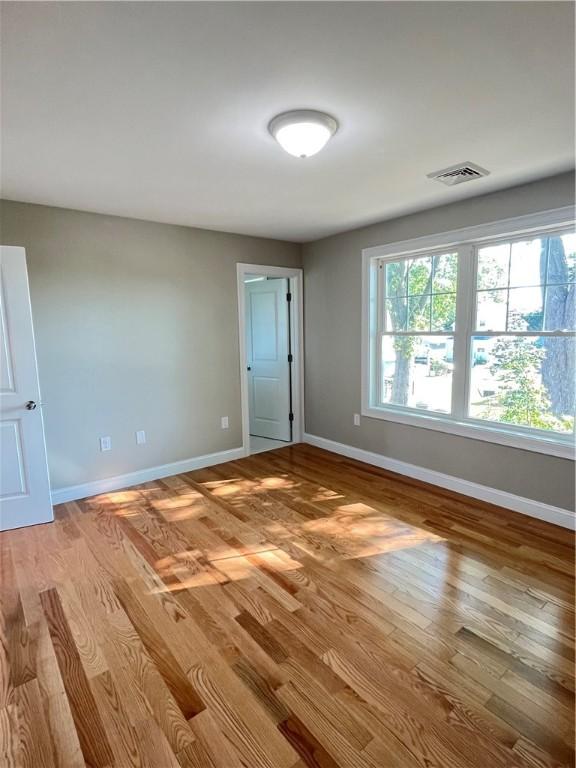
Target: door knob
(249, 368)
(31, 405)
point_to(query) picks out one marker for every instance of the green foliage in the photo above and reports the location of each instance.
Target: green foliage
(522, 400)
(491, 272)
(404, 346)
(438, 367)
(444, 312)
(422, 293)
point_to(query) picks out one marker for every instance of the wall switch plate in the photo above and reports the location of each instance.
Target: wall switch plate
(105, 443)
(140, 437)
(224, 422)
(356, 419)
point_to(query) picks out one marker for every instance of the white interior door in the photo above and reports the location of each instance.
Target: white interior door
(267, 349)
(24, 483)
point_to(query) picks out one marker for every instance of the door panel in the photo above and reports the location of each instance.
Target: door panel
(24, 483)
(265, 396)
(12, 472)
(267, 348)
(264, 326)
(6, 367)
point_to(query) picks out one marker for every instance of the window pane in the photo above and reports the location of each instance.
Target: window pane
(396, 278)
(445, 273)
(493, 264)
(533, 264)
(419, 313)
(525, 309)
(525, 381)
(417, 371)
(396, 313)
(419, 276)
(560, 308)
(444, 312)
(491, 310)
(525, 262)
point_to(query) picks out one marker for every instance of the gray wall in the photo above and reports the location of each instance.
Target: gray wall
(136, 328)
(333, 280)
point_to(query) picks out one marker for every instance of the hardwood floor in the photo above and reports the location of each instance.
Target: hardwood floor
(290, 609)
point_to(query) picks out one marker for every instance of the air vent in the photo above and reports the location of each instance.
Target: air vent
(458, 174)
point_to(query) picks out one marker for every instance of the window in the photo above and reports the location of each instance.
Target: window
(476, 336)
(419, 305)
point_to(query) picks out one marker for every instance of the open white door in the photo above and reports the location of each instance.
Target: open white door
(267, 349)
(24, 483)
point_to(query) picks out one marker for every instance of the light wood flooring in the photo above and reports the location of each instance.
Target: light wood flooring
(290, 609)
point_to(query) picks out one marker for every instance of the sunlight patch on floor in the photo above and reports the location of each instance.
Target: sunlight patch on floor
(182, 500)
(268, 483)
(127, 511)
(327, 496)
(366, 531)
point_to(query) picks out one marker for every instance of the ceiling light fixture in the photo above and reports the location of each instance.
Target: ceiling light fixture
(303, 132)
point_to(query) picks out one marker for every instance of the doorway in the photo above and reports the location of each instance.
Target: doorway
(269, 304)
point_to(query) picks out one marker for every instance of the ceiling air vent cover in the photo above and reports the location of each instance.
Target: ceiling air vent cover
(458, 174)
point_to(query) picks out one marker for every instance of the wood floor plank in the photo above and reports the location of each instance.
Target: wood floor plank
(312, 752)
(287, 610)
(558, 723)
(175, 678)
(234, 711)
(209, 734)
(10, 748)
(36, 748)
(65, 742)
(323, 728)
(534, 731)
(154, 745)
(91, 731)
(121, 734)
(149, 682)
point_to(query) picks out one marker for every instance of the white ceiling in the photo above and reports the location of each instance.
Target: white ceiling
(159, 110)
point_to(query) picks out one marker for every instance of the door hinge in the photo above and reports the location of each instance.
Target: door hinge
(288, 297)
(290, 417)
(290, 358)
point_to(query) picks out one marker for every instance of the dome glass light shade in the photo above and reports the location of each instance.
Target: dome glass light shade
(304, 132)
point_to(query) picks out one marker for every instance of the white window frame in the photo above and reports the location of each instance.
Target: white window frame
(465, 242)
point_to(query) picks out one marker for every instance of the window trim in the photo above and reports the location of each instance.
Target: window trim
(465, 240)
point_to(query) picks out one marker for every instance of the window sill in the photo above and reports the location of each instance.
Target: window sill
(551, 446)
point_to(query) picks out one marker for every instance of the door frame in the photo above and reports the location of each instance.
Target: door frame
(297, 337)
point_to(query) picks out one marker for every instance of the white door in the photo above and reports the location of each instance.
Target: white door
(267, 349)
(24, 484)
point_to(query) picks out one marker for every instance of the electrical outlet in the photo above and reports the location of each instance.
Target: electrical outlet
(224, 422)
(140, 437)
(105, 443)
(356, 419)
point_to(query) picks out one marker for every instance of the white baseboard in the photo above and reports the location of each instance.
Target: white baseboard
(74, 492)
(547, 512)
